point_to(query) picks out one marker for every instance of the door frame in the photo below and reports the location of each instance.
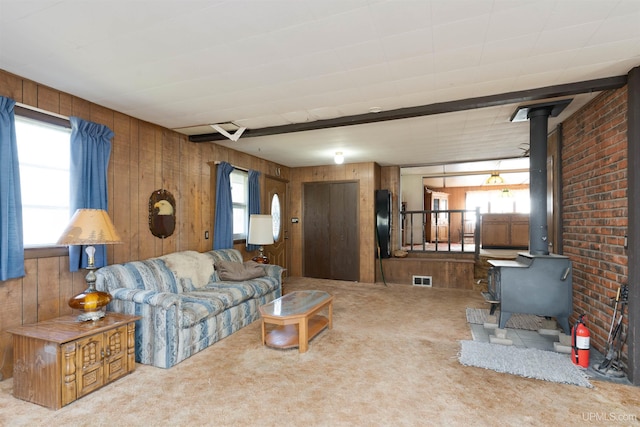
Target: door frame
(284, 214)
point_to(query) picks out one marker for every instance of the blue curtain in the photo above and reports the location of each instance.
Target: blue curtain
(253, 205)
(223, 228)
(11, 239)
(90, 151)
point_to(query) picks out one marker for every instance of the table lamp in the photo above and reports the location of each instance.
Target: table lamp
(260, 233)
(90, 227)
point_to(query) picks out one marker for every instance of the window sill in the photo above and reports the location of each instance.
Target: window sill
(45, 252)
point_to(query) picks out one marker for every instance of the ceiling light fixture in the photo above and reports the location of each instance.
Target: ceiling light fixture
(338, 158)
(494, 179)
(506, 193)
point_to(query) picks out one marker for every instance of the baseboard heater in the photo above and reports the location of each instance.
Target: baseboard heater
(422, 281)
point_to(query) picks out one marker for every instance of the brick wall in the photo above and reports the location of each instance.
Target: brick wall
(594, 190)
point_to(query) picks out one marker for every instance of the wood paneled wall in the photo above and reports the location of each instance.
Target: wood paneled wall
(144, 158)
(368, 176)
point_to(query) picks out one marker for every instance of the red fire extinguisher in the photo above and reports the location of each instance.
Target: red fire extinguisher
(580, 343)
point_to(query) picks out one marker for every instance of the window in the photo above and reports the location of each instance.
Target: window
(275, 216)
(240, 198)
(499, 201)
(43, 155)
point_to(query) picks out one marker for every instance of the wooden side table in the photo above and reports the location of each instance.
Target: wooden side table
(58, 361)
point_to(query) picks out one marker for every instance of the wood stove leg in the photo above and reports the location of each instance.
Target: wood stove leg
(564, 324)
(504, 318)
(493, 309)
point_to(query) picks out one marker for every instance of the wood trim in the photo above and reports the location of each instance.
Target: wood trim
(42, 116)
(633, 232)
(46, 252)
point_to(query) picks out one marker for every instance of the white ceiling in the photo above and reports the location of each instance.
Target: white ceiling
(261, 63)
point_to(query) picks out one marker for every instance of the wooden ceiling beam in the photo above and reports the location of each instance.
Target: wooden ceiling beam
(516, 97)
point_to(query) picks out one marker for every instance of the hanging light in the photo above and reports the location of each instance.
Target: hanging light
(494, 179)
(338, 158)
(506, 193)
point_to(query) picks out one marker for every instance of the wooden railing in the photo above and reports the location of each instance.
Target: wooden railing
(452, 230)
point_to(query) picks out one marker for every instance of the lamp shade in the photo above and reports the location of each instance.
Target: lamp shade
(260, 230)
(89, 227)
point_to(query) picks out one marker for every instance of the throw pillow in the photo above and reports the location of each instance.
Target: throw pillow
(237, 272)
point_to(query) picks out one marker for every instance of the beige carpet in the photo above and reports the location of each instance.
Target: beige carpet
(391, 359)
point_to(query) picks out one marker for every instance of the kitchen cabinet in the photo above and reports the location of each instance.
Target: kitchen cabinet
(505, 231)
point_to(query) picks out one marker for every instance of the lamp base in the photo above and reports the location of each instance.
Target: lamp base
(91, 316)
(91, 302)
(260, 259)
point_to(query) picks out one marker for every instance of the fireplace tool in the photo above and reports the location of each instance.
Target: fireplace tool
(611, 365)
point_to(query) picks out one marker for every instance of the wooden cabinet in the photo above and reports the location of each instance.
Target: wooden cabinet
(505, 231)
(60, 360)
(520, 231)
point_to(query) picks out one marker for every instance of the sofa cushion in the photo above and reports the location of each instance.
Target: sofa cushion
(225, 255)
(262, 285)
(233, 295)
(221, 295)
(239, 272)
(151, 274)
(198, 306)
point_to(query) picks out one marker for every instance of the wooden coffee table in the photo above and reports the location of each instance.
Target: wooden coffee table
(296, 318)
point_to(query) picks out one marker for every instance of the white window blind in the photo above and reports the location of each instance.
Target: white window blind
(43, 153)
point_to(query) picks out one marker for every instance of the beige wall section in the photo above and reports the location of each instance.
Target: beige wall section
(144, 158)
(413, 195)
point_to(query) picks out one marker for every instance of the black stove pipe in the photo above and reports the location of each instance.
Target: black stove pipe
(538, 231)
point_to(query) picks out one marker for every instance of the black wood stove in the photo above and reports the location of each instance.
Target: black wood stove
(532, 284)
(536, 282)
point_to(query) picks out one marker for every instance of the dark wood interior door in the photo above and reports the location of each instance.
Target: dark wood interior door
(330, 227)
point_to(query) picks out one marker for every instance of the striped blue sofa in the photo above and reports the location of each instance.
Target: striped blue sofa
(184, 305)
